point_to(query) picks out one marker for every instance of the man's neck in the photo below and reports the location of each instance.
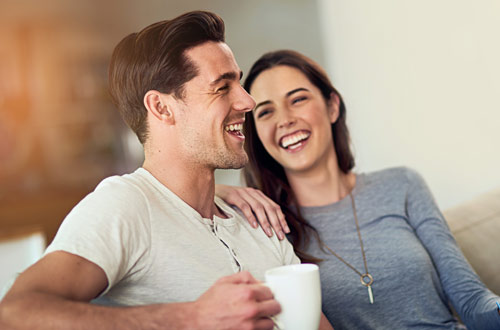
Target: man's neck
(194, 185)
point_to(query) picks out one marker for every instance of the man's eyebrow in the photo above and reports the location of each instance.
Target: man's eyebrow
(227, 76)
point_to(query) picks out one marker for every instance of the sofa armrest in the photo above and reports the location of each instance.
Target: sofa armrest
(476, 227)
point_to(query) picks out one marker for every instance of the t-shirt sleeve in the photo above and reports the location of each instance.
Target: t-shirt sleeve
(109, 227)
(289, 256)
(475, 304)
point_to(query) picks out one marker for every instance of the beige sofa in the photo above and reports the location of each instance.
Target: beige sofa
(476, 226)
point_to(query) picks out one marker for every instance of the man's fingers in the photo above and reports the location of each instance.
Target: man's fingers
(265, 323)
(239, 278)
(250, 288)
(261, 292)
(268, 308)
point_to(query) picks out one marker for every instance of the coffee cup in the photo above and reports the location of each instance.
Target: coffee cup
(297, 289)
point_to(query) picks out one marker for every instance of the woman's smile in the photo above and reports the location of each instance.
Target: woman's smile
(295, 141)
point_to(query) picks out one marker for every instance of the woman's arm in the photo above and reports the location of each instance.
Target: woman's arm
(257, 208)
(471, 299)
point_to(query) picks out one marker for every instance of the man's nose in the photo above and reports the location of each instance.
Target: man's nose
(244, 101)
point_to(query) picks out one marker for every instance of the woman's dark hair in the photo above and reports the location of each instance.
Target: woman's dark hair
(154, 59)
(266, 174)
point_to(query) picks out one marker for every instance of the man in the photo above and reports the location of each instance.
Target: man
(156, 240)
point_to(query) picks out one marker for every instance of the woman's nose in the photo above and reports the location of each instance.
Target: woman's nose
(286, 121)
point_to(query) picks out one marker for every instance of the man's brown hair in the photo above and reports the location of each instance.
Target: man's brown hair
(154, 59)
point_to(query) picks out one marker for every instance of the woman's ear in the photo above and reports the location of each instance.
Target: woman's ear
(159, 106)
(333, 105)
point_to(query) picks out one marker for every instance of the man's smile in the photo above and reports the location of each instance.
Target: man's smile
(235, 129)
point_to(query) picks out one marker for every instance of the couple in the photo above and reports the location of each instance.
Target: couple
(160, 242)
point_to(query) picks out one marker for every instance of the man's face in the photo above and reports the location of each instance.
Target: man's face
(213, 109)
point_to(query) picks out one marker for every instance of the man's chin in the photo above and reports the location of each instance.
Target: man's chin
(237, 162)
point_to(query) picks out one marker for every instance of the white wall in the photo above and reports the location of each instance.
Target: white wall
(421, 81)
(17, 254)
(252, 28)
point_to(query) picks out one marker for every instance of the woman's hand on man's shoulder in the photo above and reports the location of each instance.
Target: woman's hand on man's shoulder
(256, 207)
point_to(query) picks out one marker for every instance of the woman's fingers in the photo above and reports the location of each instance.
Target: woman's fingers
(257, 208)
(232, 196)
(279, 213)
(273, 214)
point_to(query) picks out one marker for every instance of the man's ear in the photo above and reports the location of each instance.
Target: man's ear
(159, 106)
(333, 105)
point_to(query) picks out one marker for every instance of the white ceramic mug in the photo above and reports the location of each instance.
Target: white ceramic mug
(297, 289)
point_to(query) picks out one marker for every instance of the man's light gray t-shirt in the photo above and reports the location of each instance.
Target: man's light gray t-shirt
(155, 248)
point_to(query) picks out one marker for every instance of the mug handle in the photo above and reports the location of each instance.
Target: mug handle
(277, 323)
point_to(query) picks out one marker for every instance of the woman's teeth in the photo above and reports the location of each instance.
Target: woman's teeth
(291, 140)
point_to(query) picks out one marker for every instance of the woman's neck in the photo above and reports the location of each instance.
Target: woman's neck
(322, 186)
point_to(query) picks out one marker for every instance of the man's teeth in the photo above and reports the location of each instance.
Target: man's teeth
(234, 128)
(289, 140)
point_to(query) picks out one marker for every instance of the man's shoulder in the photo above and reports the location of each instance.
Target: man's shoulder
(130, 184)
(229, 209)
(118, 192)
(122, 180)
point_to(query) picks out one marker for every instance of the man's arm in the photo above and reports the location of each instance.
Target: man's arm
(55, 293)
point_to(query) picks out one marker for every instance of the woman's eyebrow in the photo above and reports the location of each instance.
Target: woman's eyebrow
(260, 104)
(296, 90)
(300, 89)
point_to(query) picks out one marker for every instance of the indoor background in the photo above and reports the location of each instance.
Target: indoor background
(421, 81)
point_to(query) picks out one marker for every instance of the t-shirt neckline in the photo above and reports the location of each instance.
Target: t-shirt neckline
(185, 207)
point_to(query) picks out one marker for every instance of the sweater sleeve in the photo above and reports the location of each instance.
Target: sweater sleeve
(474, 303)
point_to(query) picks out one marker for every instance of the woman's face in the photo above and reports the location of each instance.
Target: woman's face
(293, 120)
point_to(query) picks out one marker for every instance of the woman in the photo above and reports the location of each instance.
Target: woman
(387, 258)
